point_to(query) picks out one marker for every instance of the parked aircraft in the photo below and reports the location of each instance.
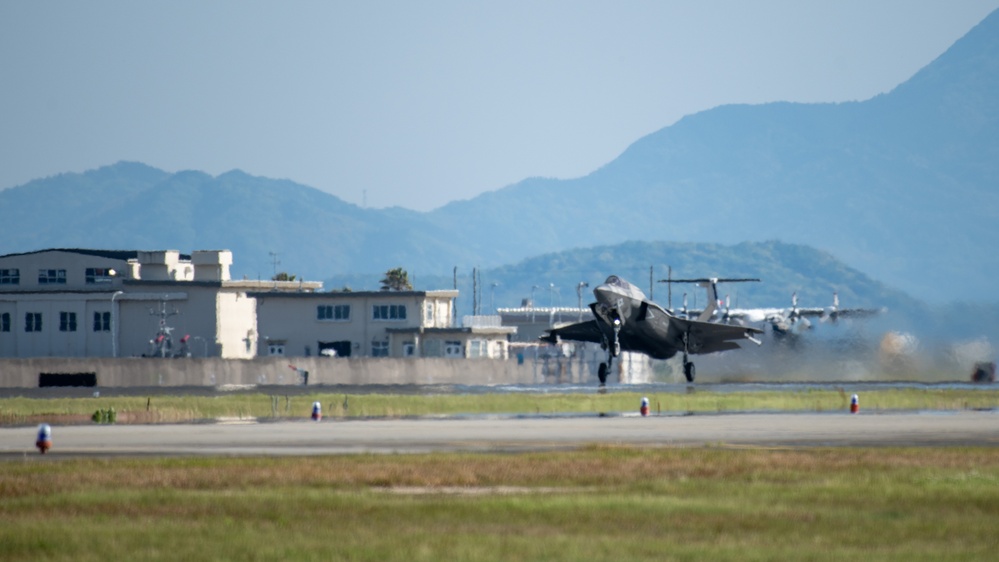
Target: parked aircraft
(793, 320)
(782, 321)
(625, 320)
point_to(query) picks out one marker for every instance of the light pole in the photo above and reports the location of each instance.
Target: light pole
(114, 325)
(204, 345)
(579, 297)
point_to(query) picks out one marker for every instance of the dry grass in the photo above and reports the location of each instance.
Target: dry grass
(601, 503)
(604, 466)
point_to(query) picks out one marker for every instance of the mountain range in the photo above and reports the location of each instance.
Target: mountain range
(902, 187)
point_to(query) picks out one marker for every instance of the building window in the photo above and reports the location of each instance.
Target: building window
(102, 321)
(478, 348)
(452, 349)
(408, 349)
(379, 349)
(388, 312)
(5, 322)
(33, 322)
(428, 316)
(335, 348)
(275, 350)
(67, 321)
(51, 276)
(10, 276)
(99, 275)
(339, 312)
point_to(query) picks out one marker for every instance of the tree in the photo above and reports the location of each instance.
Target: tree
(396, 280)
(283, 276)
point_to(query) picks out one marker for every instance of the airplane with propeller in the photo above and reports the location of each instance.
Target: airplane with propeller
(793, 320)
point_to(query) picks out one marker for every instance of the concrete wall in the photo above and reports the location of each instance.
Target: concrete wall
(139, 372)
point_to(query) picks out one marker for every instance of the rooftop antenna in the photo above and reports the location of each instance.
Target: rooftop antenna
(274, 262)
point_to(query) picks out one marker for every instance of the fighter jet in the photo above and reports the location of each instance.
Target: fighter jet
(625, 320)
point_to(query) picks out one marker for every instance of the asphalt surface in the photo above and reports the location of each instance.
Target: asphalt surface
(510, 433)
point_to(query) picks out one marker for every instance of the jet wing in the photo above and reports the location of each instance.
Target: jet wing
(580, 331)
(810, 312)
(710, 337)
(752, 314)
(856, 313)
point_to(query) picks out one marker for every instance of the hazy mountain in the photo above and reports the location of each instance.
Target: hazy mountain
(901, 187)
(553, 279)
(133, 206)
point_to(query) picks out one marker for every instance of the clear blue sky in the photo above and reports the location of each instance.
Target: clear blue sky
(420, 103)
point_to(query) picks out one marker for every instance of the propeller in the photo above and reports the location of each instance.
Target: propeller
(727, 317)
(832, 313)
(790, 318)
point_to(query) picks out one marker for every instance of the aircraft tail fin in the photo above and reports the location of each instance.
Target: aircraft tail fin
(710, 284)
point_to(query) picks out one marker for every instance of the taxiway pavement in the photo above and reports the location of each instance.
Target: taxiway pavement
(499, 433)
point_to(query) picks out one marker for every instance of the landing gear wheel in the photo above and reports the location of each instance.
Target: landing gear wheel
(602, 374)
(689, 371)
(616, 350)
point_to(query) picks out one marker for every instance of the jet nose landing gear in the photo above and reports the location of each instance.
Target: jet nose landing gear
(613, 349)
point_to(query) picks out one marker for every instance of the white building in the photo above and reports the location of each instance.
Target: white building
(373, 324)
(98, 303)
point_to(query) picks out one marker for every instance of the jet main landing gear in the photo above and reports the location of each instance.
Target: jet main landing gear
(688, 369)
(688, 366)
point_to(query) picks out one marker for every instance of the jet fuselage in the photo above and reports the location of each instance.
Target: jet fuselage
(642, 325)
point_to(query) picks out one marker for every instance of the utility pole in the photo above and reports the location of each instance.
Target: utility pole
(669, 286)
(475, 292)
(652, 285)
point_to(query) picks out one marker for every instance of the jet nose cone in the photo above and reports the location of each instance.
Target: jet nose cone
(604, 293)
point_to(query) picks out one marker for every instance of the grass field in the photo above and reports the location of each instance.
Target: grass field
(600, 503)
(137, 409)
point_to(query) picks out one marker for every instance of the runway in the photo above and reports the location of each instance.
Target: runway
(510, 434)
